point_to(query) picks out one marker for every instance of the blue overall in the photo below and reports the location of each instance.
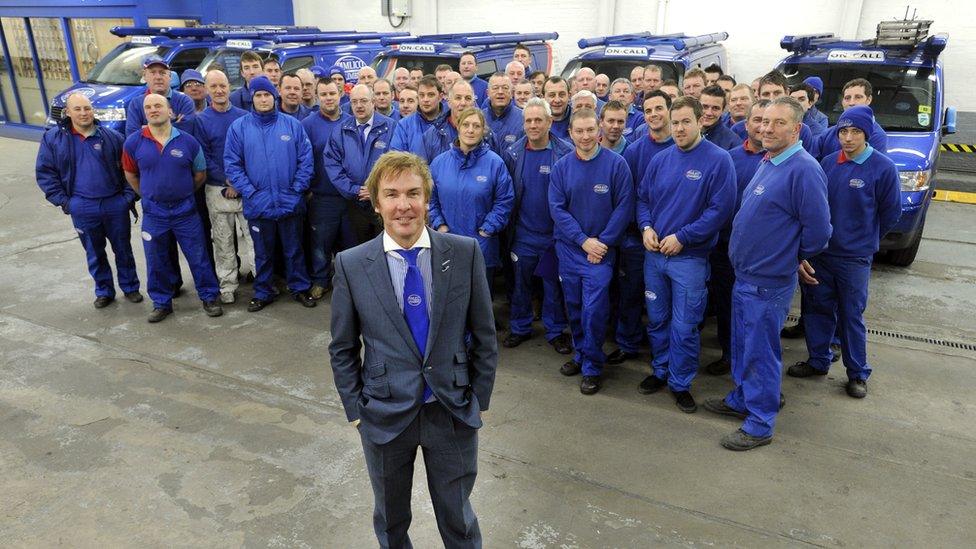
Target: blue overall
(589, 199)
(84, 176)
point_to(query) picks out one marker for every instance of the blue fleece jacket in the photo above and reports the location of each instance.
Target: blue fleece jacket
(241, 98)
(816, 120)
(268, 159)
(864, 193)
(348, 160)
(640, 153)
(746, 162)
(319, 130)
(784, 218)
(530, 220)
(591, 199)
(442, 136)
(472, 192)
(480, 88)
(61, 172)
(135, 113)
(722, 136)
(690, 194)
(211, 130)
(300, 113)
(508, 128)
(561, 127)
(410, 130)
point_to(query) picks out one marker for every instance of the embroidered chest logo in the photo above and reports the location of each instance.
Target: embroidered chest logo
(285, 137)
(693, 175)
(176, 153)
(481, 178)
(413, 300)
(857, 183)
(510, 138)
(759, 190)
(380, 145)
(545, 170)
(600, 188)
(97, 146)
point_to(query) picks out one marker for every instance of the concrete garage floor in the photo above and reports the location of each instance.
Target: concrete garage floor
(227, 432)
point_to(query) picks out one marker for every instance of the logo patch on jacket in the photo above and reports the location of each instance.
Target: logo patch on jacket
(759, 190)
(545, 170)
(379, 145)
(857, 183)
(693, 175)
(481, 178)
(97, 146)
(285, 137)
(600, 188)
(176, 153)
(510, 138)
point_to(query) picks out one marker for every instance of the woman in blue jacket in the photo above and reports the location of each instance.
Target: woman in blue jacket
(473, 193)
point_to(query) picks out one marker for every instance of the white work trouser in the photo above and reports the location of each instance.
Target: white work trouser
(227, 221)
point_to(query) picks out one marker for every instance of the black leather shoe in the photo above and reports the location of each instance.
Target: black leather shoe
(103, 301)
(158, 315)
(651, 384)
(719, 367)
(305, 299)
(685, 402)
(857, 388)
(835, 353)
(213, 308)
(133, 297)
(570, 368)
(795, 331)
(256, 304)
(804, 369)
(589, 385)
(514, 340)
(562, 343)
(741, 441)
(717, 405)
(619, 356)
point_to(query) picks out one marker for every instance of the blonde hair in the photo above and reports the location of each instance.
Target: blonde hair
(392, 165)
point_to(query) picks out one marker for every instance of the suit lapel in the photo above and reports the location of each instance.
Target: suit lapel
(379, 275)
(441, 270)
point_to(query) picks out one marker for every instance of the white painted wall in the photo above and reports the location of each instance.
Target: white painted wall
(754, 30)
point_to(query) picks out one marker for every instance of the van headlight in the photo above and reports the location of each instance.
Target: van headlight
(915, 181)
(114, 114)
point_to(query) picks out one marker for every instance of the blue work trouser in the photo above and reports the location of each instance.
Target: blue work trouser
(525, 260)
(586, 289)
(837, 305)
(159, 230)
(266, 233)
(630, 298)
(97, 220)
(676, 294)
(758, 315)
(721, 280)
(329, 232)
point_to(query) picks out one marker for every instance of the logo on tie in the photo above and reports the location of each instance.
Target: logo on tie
(413, 300)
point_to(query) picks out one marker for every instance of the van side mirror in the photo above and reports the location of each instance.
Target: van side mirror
(949, 124)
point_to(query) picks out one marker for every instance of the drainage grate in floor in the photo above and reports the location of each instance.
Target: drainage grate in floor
(908, 337)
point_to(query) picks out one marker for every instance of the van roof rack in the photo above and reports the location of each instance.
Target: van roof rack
(678, 41)
(901, 34)
(464, 40)
(334, 37)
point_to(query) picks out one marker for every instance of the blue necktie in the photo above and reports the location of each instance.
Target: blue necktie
(415, 306)
(362, 132)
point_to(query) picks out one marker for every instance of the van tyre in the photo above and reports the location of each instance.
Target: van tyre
(906, 256)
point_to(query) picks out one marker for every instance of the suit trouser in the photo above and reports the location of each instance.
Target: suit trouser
(97, 220)
(328, 221)
(586, 288)
(758, 315)
(720, 283)
(676, 294)
(837, 305)
(267, 232)
(524, 262)
(450, 449)
(231, 238)
(630, 284)
(158, 233)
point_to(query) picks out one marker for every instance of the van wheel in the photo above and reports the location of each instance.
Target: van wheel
(906, 256)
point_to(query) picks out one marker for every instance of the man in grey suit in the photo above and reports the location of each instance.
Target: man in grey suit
(419, 301)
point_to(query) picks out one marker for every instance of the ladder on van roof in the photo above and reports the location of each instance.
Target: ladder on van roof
(474, 38)
(678, 41)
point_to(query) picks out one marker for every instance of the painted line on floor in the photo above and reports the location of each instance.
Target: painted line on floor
(954, 196)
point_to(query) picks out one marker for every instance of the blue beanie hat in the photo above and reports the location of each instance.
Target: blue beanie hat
(816, 82)
(262, 83)
(860, 117)
(319, 72)
(336, 69)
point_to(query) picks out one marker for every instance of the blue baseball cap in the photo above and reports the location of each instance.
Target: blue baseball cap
(318, 72)
(154, 60)
(190, 75)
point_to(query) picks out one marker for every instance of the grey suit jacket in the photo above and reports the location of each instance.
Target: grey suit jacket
(384, 388)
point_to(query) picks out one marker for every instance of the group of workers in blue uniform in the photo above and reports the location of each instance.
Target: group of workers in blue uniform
(650, 202)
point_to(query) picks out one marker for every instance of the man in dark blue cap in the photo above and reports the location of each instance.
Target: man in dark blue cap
(193, 86)
(338, 75)
(864, 193)
(156, 73)
(813, 114)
